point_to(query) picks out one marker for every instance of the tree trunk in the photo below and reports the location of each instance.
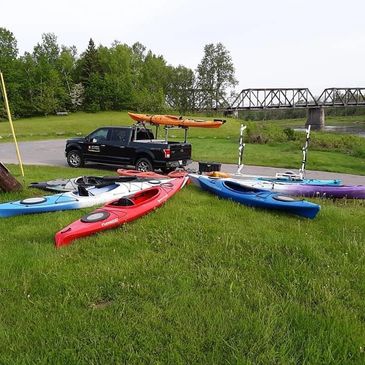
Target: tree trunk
(8, 183)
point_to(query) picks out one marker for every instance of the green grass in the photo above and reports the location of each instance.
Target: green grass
(82, 123)
(199, 281)
(276, 156)
(328, 152)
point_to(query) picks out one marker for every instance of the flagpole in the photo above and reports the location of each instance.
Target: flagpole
(240, 150)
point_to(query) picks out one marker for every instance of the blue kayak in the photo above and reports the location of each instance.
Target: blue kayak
(39, 205)
(81, 198)
(255, 197)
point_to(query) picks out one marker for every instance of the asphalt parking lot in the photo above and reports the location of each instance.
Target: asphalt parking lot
(51, 152)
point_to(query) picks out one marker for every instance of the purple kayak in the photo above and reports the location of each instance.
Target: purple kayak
(324, 191)
(343, 191)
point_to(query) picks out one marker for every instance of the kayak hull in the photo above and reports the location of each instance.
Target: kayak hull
(44, 205)
(173, 120)
(253, 197)
(119, 212)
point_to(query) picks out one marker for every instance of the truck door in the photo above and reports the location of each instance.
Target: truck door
(95, 145)
(118, 146)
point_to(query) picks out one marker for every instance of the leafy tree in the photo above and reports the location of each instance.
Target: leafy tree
(89, 62)
(29, 83)
(50, 93)
(215, 74)
(117, 82)
(52, 78)
(91, 77)
(48, 50)
(149, 91)
(67, 66)
(8, 46)
(137, 60)
(77, 95)
(180, 86)
(9, 66)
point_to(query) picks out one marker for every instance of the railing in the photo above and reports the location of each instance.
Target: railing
(297, 98)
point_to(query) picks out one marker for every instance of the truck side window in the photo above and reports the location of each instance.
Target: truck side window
(100, 135)
(119, 136)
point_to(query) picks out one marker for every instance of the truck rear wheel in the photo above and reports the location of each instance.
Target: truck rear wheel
(75, 159)
(144, 164)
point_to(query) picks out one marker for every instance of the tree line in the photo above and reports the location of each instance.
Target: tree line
(55, 78)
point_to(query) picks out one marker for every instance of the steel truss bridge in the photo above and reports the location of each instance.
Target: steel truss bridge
(282, 98)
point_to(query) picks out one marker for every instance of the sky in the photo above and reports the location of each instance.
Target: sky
(278, 43)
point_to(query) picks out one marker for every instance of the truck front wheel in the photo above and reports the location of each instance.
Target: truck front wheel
(75, 159)
(144, 164)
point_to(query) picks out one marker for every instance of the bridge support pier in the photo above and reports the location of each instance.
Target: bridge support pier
(315, 118)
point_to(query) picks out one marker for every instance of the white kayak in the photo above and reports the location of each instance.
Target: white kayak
(81, 198)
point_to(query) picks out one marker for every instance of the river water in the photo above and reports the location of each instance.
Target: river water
(358, 129)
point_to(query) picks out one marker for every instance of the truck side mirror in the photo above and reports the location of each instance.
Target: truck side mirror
(94, 140)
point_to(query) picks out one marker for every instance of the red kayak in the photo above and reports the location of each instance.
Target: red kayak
(143, 174)
(151, 174)
(118, 212)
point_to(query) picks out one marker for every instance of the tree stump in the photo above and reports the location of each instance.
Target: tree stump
(8, 182)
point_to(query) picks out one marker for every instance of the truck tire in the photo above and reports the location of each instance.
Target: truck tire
(75, 159)
(144, 164)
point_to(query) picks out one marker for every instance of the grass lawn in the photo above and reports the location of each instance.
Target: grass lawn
(208, 144)
(82, 123)
(276, 155)
(199, 281)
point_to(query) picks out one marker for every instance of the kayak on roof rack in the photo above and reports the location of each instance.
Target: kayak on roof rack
(173, 120)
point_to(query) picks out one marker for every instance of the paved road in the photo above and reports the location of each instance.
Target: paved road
(51, 152)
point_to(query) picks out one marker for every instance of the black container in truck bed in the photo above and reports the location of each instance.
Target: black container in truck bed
(134, 146)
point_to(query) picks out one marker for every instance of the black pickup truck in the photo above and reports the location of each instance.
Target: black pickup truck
(134, 146)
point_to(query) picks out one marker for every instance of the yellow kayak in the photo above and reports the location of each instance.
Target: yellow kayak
(176, 121)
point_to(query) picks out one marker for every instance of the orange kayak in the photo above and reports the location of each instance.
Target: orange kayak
(176, 121)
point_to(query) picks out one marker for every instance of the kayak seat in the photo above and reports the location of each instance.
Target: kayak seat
(82, 191)
(285, 198)
(124, 202)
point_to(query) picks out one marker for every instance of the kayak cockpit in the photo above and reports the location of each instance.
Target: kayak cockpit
(231, 185)
(136, 199)
(97, 190)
